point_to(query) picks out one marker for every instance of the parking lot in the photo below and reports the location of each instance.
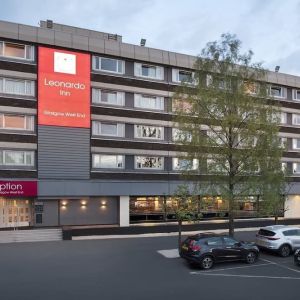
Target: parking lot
(113, 269)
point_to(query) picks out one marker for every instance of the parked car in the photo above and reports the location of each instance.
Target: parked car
(279, 238)
(297, 257)
(207, 249)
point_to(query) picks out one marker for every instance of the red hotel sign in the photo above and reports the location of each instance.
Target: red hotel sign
(18, 188)
(63, 88)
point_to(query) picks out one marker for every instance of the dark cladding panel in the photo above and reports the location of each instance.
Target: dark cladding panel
(63, 152)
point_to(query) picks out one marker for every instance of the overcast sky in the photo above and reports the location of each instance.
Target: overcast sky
(271, 28)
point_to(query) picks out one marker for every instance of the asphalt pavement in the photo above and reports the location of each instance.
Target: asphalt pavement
(134, 269)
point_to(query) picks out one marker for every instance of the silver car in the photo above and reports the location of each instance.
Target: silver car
(280, 238)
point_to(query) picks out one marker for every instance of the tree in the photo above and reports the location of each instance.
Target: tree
(185, 208)
(228, 122)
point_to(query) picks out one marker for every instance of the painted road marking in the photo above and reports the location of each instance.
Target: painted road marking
(244, 276)
(171, 253)
(280, 265)
(233, 268)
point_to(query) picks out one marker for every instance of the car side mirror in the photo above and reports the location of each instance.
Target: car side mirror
(238, 244)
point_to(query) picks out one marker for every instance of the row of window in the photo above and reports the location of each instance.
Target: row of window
(105, 64)
(115, 129)
(143, 70)
(21, 158)
(107, 161)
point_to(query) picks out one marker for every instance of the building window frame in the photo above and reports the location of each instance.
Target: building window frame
(98, 97)
(28, 157)
(176, 76)
(296, 119)
(29, 86)
(296, 94)
(148, 162)
(188, 164)
(140, 132)
(98, 160)
(98, 128)
(158, 70)
(98, 62)
(28, 51)
(281, 89)
(144, 101)
(28, 122)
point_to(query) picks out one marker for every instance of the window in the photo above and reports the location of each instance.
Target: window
(282, 142)
(108, 97)
(216, 166)
(18, 51)
(296, 119)
(106, 161)
(148, 71)
(180, 105)
(181, 136)
(149, 132)
(147, 162)
(296, 144)
(216, 138)
(148, 102)
(296, 95)
(214, 241)
(217, 82)
(185, 164)
(283, 166)
(251, 88)
(229, 241)
(17, 86)
(277, 91)
(16, 158)
(183, 76)
(108, 65)
(283, 118)
(296, 168)
(107, 129)
(291, 232)
(16, 122)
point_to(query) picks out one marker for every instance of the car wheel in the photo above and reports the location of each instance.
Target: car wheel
(207, 262)
(285, 250)
(251, 257)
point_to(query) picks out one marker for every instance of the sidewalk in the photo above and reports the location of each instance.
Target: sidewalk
(168, 229)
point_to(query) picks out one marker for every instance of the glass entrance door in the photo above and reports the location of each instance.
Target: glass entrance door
(14, 213)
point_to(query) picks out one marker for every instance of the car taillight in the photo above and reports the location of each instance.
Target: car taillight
(273, 238)
(194, 247)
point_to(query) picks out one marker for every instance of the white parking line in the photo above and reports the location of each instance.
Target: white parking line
(171, 253)
(280, 265)
(233, 268)
(244, 276)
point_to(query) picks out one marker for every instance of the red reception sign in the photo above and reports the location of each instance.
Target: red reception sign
(63, 88)
(18, 188)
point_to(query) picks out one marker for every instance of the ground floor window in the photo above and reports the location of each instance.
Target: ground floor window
(15, 212)
(163, 208)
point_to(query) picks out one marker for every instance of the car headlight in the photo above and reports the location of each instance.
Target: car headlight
(297, 252)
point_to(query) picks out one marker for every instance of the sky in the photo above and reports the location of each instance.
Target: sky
(270, 28)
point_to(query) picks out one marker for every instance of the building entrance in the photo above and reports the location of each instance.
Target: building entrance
(15, 212)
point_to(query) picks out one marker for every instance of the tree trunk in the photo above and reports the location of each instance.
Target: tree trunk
(276, 219)
(231, 211)
(179, 234)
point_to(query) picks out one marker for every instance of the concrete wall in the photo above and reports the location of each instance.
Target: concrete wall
(100, 210)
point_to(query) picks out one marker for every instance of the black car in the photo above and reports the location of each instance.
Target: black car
(206, 249)
(297, 257)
